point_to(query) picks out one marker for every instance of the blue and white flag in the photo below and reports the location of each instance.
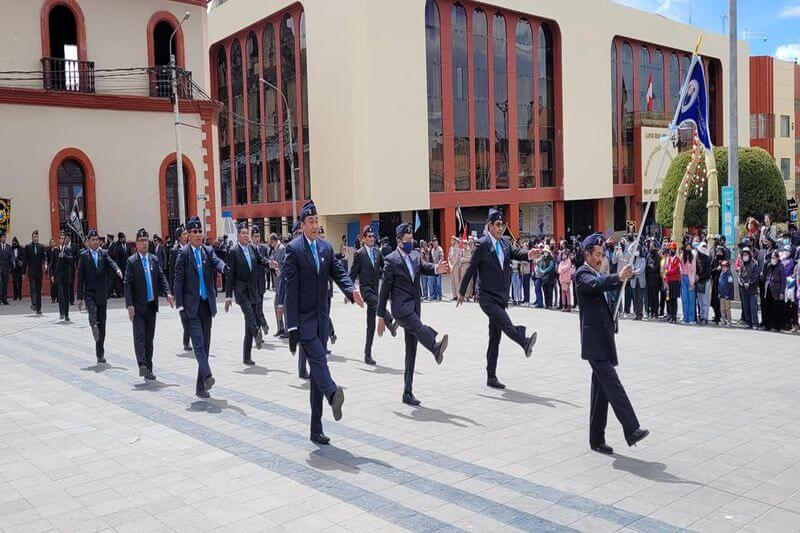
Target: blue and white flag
(693, 106)
(417, 222)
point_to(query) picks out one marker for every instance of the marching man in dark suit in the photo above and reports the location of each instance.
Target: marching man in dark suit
(6, 266)
(598, 347)
(491, 261)
(308, 265)
(35, 264)
(241, 281)
(276, 265)
(181, 238)
(401, 284)
(262, 270)
(196, 297)
(60, 272)
(144, 278)
(367, 268)
(95, 267)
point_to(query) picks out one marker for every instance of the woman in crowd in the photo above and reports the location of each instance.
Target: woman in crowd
(516, 282)
(525, 272)
(748, 288)
(702, 285)
(565, 272)
(672, 278)
(653, 280)
(688, 267)
(774, 311)
(716, 270)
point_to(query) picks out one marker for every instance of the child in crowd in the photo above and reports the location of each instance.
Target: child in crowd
(725, 293)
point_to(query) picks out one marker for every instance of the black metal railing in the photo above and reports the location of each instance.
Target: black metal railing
(68, 75)
(161, 82)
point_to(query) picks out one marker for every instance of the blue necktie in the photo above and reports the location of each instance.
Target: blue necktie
(371, 259)
(409, 266)
(148, 280)
(247, 256)
(94, 256)
(314, 253)
(199, 264)
(498, 252)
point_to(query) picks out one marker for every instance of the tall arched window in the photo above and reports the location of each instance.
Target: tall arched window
(237, 92)
(254, 116)
(627, 112)
(674, 82)
(547, 114)
(434, 77)
(525, 125)
(657, 68)
(173, 213)
(460, 98)
(71, 188)
(480, 61)
(289, 82)
(304, 102)
(500, 70)
(62, 68)
(614, 114)
(161, 58)
(224, 139)
(644, 76)
(271, 127)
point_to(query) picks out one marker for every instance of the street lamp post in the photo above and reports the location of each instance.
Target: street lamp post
(176, 112)
(733, 116)
(291, 147)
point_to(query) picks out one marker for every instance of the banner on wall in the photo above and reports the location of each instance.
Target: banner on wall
(542, 219)
(5, 215)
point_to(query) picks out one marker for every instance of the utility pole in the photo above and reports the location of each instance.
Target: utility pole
(733, 115)
(173, 67)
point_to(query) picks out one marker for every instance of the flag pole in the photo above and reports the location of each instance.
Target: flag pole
(673, 130)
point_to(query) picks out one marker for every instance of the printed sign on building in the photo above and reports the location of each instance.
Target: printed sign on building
(5, 215)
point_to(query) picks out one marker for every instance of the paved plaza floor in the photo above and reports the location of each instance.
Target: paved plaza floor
(87, 447)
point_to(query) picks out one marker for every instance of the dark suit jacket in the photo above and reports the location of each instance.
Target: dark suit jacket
(495, 281)
(135, 285)
(307, 305)
(398, 285)
(119, 253)
(187, 281)
(93, 281)
(61, 264)
(34, 260)
(596, 317)
(173, 256)
(279, 256)
(241, 279)
(362, 269)
(262, 265)
(6, 260)
(162, 255)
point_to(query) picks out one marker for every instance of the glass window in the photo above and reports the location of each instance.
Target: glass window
(675, 81)
(434, 71)
(237, 91)
(460, 99)
(171, 193)
(500, 68)
(480, 55)
(626, 61)
(71, 187)
(645, 79)
(271, 127)
(224, 141)
(289, 88)
(785, 126)
(657, 70)
(614, 114)
(525, 126)
(547, 122)
(786, 168)
(254, 117)
(304, 104)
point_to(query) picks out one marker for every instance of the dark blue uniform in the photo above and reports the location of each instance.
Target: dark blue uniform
(145, 310)
(308, 311)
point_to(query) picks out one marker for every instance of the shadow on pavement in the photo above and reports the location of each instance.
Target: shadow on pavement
(648, 470)
(520, 397)
(257, 370)
(329, 458)
(153, 385)
(426, 414)
(102, 367)
(214, 406)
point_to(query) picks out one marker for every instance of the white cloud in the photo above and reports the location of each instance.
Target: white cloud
(790, 12)
(788, 52)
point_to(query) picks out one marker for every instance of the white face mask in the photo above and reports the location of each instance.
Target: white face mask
(773, 261)
(746, 258)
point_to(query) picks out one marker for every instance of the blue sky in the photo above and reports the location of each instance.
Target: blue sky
(777, 21)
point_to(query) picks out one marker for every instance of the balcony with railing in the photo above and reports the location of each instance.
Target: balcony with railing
(161, 82)
(71, 75)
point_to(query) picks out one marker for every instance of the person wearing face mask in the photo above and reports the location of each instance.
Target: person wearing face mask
(762, 259)
(789, 264)
(748, 288)
(702, 285)
(774, 311)
(725, 292)
(16, 268)
(672, 278)
(688, 278)
(546, 271)
(716, 270)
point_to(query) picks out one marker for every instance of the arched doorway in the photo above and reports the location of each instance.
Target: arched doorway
(161, 55)
(171, 197)
(62, 67)
(71, 179)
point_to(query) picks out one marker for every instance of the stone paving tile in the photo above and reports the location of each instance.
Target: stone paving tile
(717, 460)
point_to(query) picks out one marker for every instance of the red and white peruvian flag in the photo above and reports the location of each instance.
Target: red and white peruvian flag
(649, 96)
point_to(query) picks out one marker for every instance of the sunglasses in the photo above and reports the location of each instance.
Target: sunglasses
(195, 231)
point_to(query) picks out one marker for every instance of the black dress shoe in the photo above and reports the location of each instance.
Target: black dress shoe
(150, 376)
(636, 436)
(369, 360)
(284, 335)
(439, 348)
(529, 345)
(410, 399)
(279, 333)
(143, 371)
(265, 329)
(336, 403)
(495, 383)
(393, 329)
(209, 382)
(259, 340)
(202, 394)
(333, 338)
(602, 448)
(320, 438)
(101, 360)
(67, 320)
(249, 362)
(96, 333)
(187, 348)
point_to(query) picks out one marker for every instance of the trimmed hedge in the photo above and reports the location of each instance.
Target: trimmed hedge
(761, 188)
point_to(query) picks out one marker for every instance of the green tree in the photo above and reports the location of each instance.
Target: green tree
(761, 188)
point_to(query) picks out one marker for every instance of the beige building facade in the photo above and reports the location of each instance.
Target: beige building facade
(87, 118)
